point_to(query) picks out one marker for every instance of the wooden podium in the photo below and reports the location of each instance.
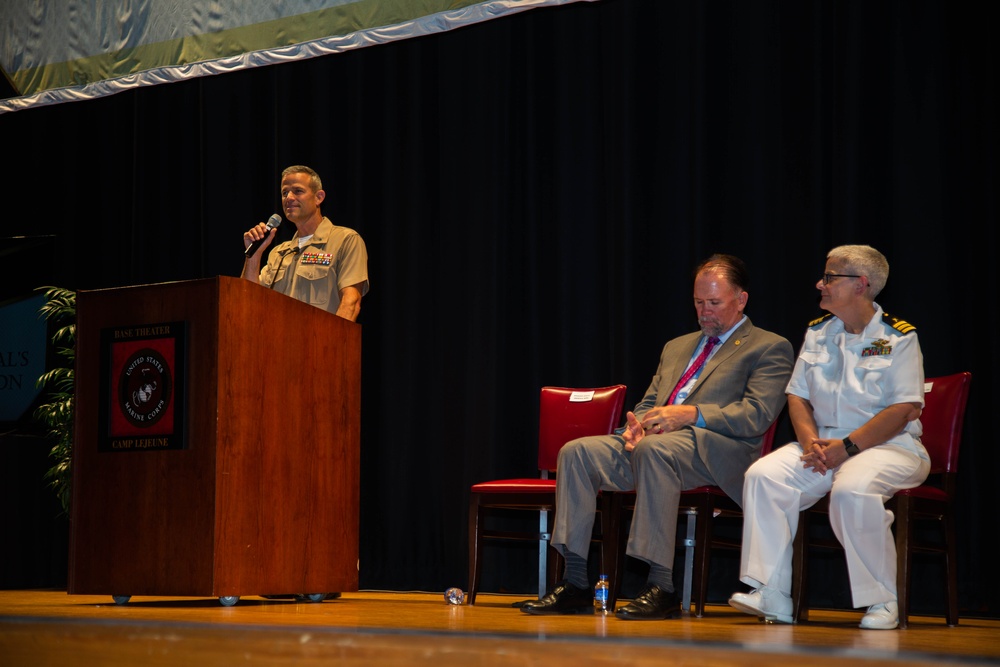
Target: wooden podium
(217, 439)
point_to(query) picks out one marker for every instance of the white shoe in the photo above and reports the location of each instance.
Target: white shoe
(768, 603)
(883, 616)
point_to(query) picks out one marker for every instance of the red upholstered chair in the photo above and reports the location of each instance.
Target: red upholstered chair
(565, 414)
(932, 503)
(701, 506)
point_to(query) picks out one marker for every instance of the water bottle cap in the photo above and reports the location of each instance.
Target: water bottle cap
(604, 576)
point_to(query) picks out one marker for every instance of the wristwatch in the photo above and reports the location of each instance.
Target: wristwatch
(852, 449)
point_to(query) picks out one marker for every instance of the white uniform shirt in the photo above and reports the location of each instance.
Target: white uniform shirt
(849, 378)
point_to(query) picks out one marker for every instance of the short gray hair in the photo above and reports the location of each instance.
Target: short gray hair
(314, 180)
(866, 261)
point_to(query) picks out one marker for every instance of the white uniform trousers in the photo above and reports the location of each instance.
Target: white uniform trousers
(778, 487)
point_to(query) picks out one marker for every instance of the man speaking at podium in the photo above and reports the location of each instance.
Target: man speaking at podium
(323, 264)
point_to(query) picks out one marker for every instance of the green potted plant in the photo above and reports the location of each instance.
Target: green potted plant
(57, 413)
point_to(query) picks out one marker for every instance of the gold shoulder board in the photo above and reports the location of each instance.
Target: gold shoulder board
(899, 325)
(820, 320)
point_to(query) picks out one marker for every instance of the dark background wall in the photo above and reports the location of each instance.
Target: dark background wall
(534, 192)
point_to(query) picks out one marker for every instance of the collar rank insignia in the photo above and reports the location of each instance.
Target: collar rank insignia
(878, 348)
(322, 259)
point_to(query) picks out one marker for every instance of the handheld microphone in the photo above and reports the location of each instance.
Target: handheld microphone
(272, 223)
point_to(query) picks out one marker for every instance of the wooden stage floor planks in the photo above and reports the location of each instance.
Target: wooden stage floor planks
(368, 628)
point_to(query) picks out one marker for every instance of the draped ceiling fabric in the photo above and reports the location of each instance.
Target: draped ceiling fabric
(84, 49)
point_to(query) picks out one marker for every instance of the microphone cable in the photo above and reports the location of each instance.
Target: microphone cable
(295, 251)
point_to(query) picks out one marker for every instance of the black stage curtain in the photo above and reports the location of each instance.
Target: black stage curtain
(534, 192)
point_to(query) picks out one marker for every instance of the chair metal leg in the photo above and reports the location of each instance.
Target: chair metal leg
(690, 544)
(702, 553)
(800, 574)
(543, 552)
(475, 548)
(951, 569)
(903, 560)
(611, 527)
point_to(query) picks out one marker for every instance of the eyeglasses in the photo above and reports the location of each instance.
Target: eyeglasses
(828, 277)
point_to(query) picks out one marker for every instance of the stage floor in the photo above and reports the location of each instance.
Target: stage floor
(391, 628)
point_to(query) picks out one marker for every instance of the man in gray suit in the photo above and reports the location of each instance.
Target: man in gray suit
(715, 393)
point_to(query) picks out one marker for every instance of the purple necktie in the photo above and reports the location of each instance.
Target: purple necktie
(695, 367)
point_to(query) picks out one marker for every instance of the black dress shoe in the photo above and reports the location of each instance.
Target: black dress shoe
(652, 604)
(565, 598)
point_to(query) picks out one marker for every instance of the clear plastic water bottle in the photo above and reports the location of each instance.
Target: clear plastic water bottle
(454, 596)
(601, 595)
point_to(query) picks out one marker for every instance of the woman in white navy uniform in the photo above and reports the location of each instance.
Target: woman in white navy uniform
(854, 401)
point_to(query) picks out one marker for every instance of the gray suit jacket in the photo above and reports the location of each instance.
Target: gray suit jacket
(740, 392)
